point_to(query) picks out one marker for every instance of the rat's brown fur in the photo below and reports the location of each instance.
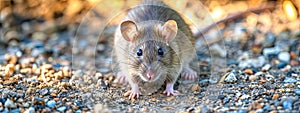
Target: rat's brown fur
(149, 18)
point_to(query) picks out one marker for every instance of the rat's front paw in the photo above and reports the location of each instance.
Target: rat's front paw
(188, 73)
(170, 91)
(121, 78)
(134, 92)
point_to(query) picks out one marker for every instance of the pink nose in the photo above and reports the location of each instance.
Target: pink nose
(150, 74)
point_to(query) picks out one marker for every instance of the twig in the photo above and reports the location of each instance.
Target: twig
(267, 6)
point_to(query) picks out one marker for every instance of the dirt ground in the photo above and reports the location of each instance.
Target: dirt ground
(55, 56)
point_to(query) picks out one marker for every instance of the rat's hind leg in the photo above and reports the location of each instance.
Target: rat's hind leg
(121, 78)
(188, 73)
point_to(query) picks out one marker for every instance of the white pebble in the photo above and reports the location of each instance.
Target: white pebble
(9, 104)
(259, 73)
(30, 110)
(266, 67)
(269, 77)
(284, 56)
(231, 77)
(268, 51)
(245, 64)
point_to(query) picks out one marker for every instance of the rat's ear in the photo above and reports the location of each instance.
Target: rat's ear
(129, 30)
(169, 30)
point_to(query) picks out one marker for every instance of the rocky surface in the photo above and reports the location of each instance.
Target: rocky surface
(42, 71)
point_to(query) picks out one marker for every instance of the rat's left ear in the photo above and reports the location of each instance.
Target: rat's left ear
(169, 30)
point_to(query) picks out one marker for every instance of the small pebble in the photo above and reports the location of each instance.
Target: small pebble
(286, 68)
(281, 65)
(11, 35)
(266, 108)
(242, 111)
(1, 106)
(248, 71)
(30, 110)
(170, 98)
(284, 56)
(39, 36)
(36, 52)
(294, 62)
(100, 47)
(9, 104)
(297, 91)
(2, 100)
(9, 69)
(275, 96)
(245, 63)
(231, 77)
(266, 67)
(44, 91)
(293, 55)
(267, 52)
(287, 104)
(270, 40)
(269, 77)
(62, 109)
(17, 110)
(289, 80)
(195, 87)
(78, 111)
(25, 104)
(51, 103)
(252, 77)
(79, 104)
(98, 75)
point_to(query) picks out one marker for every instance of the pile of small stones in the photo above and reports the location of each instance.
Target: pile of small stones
(37, 73)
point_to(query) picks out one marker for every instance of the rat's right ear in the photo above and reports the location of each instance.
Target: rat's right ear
(129, 30)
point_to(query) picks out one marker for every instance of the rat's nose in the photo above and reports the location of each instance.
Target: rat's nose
(149, 74)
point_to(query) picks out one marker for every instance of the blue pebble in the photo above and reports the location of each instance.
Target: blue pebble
(2, 100)
(5, 110)
(62, 109)
(297, 91)
(51, 103)
(40, 106)
(287, 104)
(15, 111)
(79, 104)
(242, 111)
(267, 108)
(289, 80)
(78, 111)
(57, 66)
(281, 65)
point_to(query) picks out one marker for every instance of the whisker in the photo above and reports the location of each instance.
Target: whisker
(131, 55)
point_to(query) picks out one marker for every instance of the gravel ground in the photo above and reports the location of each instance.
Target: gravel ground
(42, 72)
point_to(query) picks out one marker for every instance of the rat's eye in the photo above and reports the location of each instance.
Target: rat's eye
(139, 52)
(160, 52)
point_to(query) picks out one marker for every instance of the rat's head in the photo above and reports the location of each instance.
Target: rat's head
(150, 56)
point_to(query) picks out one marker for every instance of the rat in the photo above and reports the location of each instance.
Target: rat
(152, 46)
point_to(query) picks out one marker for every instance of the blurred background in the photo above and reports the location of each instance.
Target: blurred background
(48, 27)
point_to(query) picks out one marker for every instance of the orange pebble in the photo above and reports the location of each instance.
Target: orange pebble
(248, 71)
(293, 55)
